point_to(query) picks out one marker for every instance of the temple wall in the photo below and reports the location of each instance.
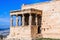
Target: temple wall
(22, 33)
(50, 24)
(50, 17)
(34, 32)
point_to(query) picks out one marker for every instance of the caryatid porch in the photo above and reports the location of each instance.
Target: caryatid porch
(30, 23)
(28, 17)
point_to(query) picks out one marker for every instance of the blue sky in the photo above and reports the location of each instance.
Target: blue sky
(7, 5)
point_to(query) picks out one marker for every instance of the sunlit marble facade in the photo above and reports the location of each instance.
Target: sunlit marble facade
(40, 20)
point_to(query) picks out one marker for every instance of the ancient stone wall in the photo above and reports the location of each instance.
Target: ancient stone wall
(50, 17)
(22, 33)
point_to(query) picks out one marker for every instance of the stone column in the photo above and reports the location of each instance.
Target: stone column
(11, 21)
(30, 19)
(23, 19)
(17, 20)
(36, 20)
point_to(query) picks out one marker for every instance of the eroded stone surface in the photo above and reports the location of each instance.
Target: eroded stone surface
(50, 24)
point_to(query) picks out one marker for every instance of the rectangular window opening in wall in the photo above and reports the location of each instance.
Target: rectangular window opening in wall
(39, 30)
